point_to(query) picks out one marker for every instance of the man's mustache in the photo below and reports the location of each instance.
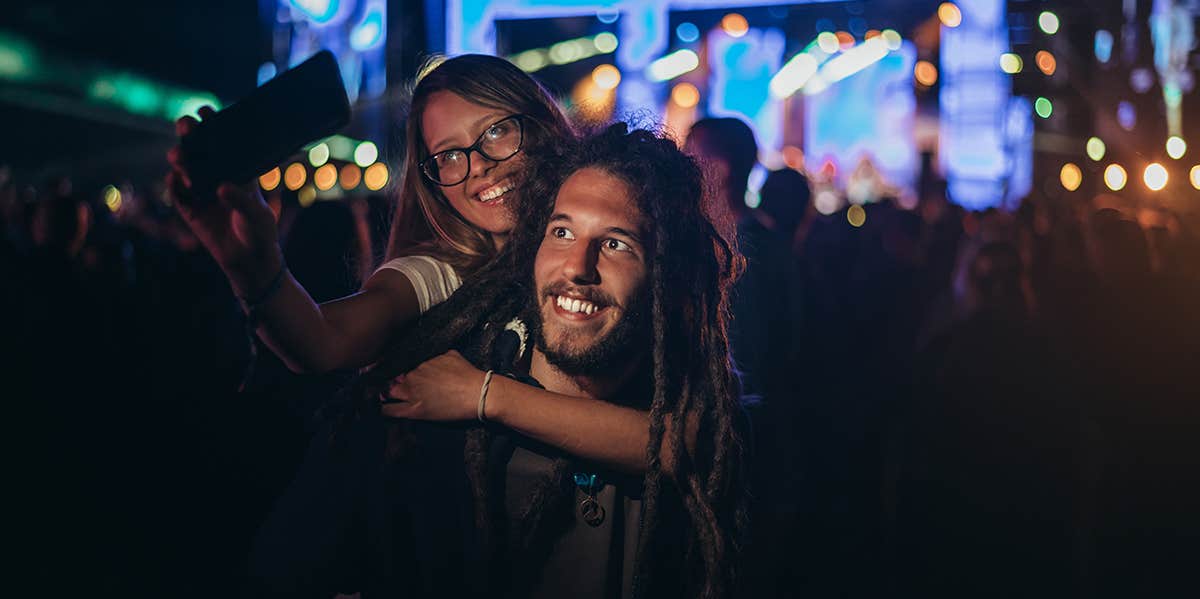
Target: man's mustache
(591, 294)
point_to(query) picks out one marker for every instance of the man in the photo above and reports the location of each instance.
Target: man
(630, 280)
(623, 280)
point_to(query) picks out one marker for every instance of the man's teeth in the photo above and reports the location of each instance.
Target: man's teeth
(494, 192)
(575, 305)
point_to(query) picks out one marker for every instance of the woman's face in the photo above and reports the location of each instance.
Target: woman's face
(484, 198)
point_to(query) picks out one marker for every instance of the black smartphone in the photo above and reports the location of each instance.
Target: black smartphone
(237, 144)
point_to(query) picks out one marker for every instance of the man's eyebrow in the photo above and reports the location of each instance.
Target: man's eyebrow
(480, 123)
(559, 216)
(627, 233)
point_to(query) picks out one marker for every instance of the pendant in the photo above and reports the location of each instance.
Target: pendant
(592, 512)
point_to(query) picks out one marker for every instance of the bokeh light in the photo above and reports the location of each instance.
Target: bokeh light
(793, 157)
(350, 176)
(366, 153)
(856, 215)
(826, 201)
(1155, 176)
(687, 32)
(1176, 147)
(1070, 176)
(307, 196)
(735, 24)
(1095, 148)
(606, 76)
(325, 177)
(1011, 63)
(605, 42)
(294, 176)
(949, 14)
(1194, 175)
(1046, 62)
(318, 154)
(845, 40)
(112, 198)
(925, 73)
(828, 42)
(893, 39)
(376, 176)
(685, 95)
(1126, 116)
(1043, 107)
(1048, 22)
(1115, 177)
(270, 179)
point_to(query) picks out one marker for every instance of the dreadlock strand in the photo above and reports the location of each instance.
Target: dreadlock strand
(653, 478)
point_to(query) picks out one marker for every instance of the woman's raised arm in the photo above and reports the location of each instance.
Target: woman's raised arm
(238, 229)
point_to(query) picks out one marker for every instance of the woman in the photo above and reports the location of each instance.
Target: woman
(471, 118)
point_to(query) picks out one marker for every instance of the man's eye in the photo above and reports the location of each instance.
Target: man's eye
(617, 245)
(561, 233)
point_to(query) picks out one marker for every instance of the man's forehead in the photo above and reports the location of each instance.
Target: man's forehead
(597, 195)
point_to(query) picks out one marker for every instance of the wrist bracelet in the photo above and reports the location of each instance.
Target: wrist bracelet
(487, 380)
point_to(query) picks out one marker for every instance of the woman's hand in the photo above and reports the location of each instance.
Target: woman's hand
(445, 388)
(236, 227)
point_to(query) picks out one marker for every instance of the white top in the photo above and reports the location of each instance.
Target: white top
(432, 279)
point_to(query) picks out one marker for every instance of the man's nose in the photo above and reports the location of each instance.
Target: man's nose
(580, 264)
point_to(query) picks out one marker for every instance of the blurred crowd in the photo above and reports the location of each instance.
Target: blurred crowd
(949, 402)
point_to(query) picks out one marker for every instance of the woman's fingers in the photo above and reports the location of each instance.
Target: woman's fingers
(397, 410)
(180, 193)
(184, 125)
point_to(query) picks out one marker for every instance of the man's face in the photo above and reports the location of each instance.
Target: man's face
(590, 275)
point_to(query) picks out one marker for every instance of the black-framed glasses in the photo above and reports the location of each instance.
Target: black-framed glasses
(499, 142)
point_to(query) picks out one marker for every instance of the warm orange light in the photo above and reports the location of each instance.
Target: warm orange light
(270, 179)
(925, 73)
(1046, 62)
(871, 34)
(325, 177)
(1070, 176)
(685, 95)
(294, 176)
(735, 25)
(949, 14)
(376, 176)
(350, 176)
(845, 40)
(606, 76)
(793, 157)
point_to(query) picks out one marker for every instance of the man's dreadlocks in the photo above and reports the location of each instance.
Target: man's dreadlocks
(693, 264)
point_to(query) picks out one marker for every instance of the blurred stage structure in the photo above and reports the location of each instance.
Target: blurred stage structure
(1009, 97)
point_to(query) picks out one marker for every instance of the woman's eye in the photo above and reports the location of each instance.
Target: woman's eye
(498, 130)
(448, 158)
(561, 233)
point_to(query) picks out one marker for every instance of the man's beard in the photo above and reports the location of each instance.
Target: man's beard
(606, 355)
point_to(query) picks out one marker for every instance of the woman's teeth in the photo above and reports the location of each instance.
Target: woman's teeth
(575, 305)
(494, 192)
